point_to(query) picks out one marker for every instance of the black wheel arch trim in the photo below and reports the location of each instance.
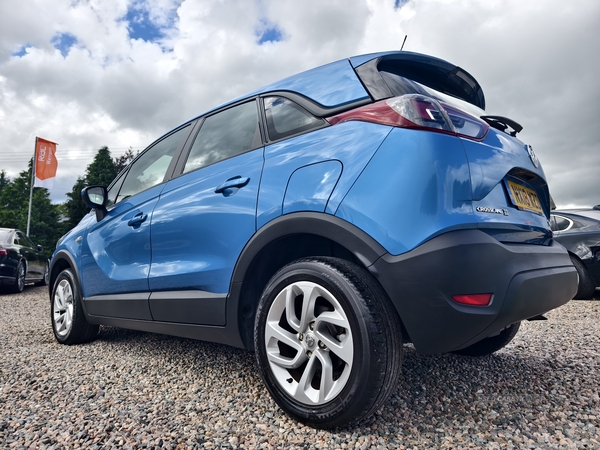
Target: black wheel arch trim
(359, 243)
(61, 255)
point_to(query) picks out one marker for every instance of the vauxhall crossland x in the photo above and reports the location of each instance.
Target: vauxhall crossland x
(323, 221)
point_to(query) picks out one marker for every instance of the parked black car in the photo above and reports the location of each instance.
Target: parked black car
(21, 261)
(579, 231)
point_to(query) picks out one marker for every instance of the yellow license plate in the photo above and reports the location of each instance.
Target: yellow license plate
(524, 198)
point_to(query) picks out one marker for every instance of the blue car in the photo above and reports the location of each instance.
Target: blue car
(323, 221)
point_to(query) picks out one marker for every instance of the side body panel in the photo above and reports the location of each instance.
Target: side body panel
(197, 236)
(115, 252)
(310, 187)
(415, 187)
(351, 144)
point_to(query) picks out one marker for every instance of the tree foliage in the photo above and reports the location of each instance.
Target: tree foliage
(48, 221)
(101, 171)
(45, 228)
(122, 161)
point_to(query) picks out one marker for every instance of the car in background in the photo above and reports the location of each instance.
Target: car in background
(322, 221)
(21, 261)
(578, 230)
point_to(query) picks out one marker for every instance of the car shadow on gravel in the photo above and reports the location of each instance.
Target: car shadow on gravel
(502, 389)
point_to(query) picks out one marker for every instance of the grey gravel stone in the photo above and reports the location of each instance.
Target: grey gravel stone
(131, 390)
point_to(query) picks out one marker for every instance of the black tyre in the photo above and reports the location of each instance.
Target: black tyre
(44, 281)
(328, 342)
(68, 320)
(586, 287)
(491, 344)
(19, 283)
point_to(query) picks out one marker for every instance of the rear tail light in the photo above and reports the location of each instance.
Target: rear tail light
(420, 112)
(3, 251)
(473, 299)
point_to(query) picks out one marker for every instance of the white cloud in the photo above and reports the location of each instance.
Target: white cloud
(535, 60)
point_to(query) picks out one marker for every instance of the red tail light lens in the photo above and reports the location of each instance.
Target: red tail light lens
(3, 251)
(420, 112)
(473, 299)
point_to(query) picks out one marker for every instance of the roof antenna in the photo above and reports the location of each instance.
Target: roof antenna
(404, 41)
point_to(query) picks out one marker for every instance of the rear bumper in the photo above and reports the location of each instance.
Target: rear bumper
(6, 280)
(7, 273)
(525, 280)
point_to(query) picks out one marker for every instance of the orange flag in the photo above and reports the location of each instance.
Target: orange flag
(45, 163)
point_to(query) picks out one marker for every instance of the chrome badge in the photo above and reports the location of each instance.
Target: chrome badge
(532, 156)
(486, 209)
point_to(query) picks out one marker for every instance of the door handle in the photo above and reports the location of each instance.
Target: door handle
(137, 219)
(235, 182)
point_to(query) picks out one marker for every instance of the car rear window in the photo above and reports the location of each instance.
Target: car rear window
(285, 118)
(4, 235)
(400, 85)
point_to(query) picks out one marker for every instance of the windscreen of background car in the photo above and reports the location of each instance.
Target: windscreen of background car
(4, 235)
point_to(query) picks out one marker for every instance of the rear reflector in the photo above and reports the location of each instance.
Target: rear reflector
(473, 299)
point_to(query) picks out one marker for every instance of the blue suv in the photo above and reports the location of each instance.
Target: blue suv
(323, 221)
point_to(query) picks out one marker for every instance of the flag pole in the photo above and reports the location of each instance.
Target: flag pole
(31, 188)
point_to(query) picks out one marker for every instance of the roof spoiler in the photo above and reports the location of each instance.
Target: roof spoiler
(427, 70)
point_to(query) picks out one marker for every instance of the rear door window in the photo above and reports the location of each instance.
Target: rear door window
(228, 133)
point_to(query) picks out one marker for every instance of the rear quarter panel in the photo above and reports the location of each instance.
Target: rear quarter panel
(350, 144)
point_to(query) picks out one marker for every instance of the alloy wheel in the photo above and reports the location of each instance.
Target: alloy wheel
(309, 343)
(63, 308)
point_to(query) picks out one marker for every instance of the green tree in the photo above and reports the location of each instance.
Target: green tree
(122, 161)
(101, 171)
(3, 180)
(74, 207)
(14, 207)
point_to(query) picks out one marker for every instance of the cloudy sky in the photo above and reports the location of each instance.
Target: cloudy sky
(88, 73)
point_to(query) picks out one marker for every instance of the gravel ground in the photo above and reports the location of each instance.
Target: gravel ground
(130, 389)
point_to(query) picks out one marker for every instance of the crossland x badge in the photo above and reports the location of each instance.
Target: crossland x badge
(532, 155)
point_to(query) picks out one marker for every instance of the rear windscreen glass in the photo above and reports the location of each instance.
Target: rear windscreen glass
(4, 234)
(402, 86)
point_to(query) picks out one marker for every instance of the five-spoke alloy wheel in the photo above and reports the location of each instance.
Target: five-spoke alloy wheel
(328, 341)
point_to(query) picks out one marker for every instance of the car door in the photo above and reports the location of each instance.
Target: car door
(115, 255)
(35, 267)
(205, 217)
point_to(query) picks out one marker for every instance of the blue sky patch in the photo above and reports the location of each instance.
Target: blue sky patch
(399, 3)
(270, 34)
(140, 26)
(22, 51)
(63, 42)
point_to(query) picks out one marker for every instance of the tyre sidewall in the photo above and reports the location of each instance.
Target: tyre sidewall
(585, 287)
(353, 394)
(72, 336)
(19, 287)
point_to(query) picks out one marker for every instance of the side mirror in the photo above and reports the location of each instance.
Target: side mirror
(96, 197)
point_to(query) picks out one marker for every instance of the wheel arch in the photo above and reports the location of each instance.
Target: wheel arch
(60, 261)
(286, 239)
